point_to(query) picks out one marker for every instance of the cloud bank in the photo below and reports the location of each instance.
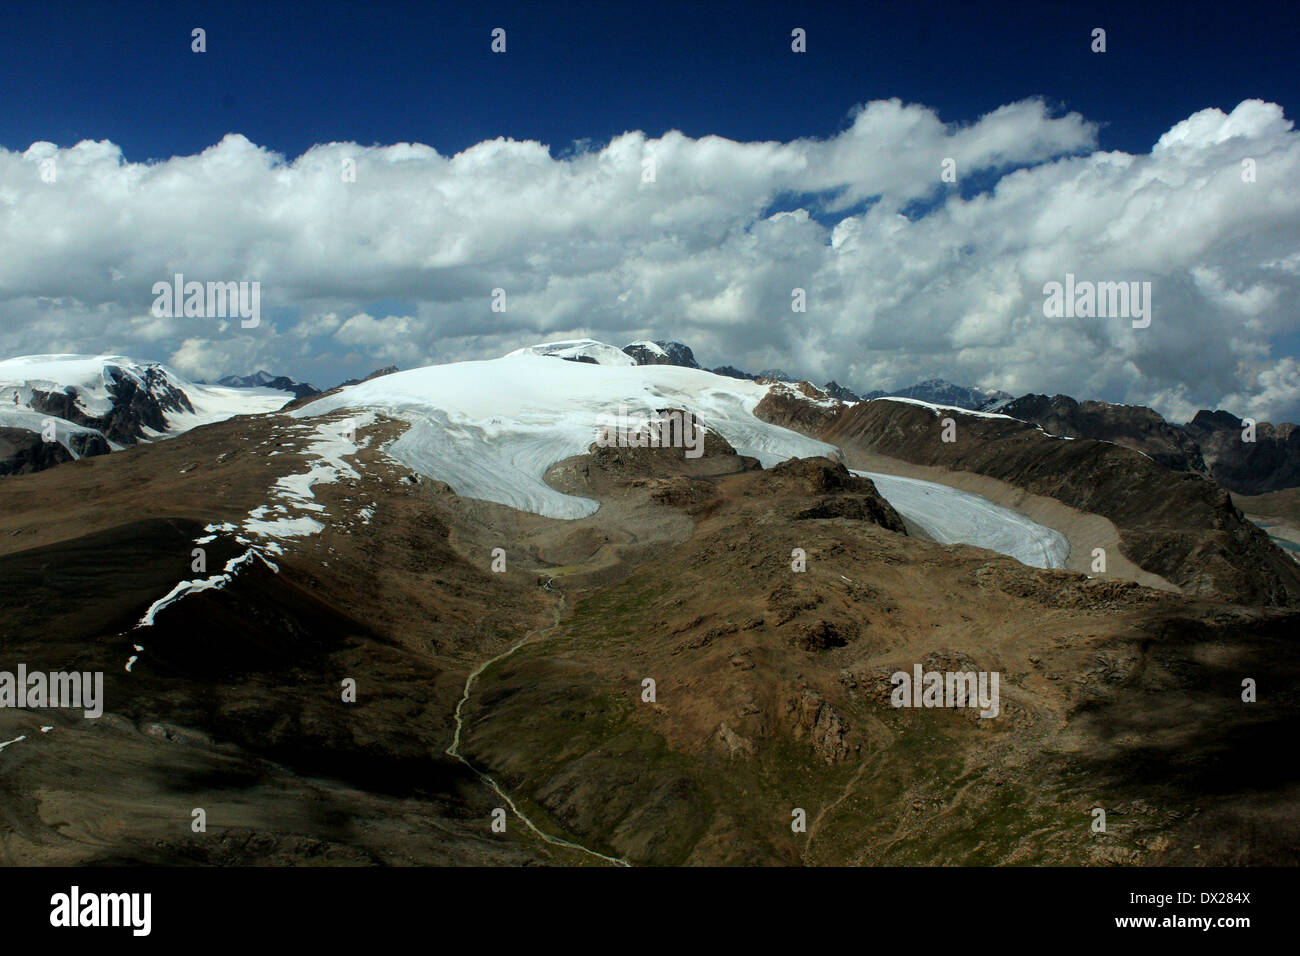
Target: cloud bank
(390, 254)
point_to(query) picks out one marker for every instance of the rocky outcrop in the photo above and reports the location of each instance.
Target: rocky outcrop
(23, 451)
(682, 445)
(817, 721)
(1133, 426)
(825, 489)
(799, 406)
(662, 353)
(733, 744)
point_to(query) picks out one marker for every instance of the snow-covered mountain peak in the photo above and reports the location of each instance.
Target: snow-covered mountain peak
(97, 403)
(588, 351)
(91, 379)
(491, 429)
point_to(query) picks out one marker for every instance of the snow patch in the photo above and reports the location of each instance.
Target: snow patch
(936, 409)
(201, 584)
(282, 517)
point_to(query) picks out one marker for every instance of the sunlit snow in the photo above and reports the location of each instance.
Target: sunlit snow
(491, 429)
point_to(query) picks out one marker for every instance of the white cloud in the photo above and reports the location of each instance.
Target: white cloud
(399, 265)
(1269, 387)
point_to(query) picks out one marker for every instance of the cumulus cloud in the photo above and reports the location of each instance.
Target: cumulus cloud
(391, 254)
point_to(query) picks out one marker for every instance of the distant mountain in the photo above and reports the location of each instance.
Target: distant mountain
(837, 391)
(661, 353)
(938, 391)
(1211, 444)
(1133, 426)
(1270, 463)
(935, 390)
(93, 404)
(221, 582)
(264, 379)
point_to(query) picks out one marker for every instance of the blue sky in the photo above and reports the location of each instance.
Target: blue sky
(291, 75)
(817, 171)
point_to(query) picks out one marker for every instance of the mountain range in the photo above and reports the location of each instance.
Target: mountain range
(140, 396)
(367, 625)
(263, 379)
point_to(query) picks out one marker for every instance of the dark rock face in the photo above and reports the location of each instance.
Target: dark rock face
(837, 391)
(263, 379)
(1181, 526)
(801, 407)
(677, 354)
(643, 355)
(1211, 444)
(23, 452)
(88, 444)
(1270, 463)
(136, 405)
(1133, 426)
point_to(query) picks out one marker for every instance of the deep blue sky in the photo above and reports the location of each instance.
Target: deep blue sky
(291, 75)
